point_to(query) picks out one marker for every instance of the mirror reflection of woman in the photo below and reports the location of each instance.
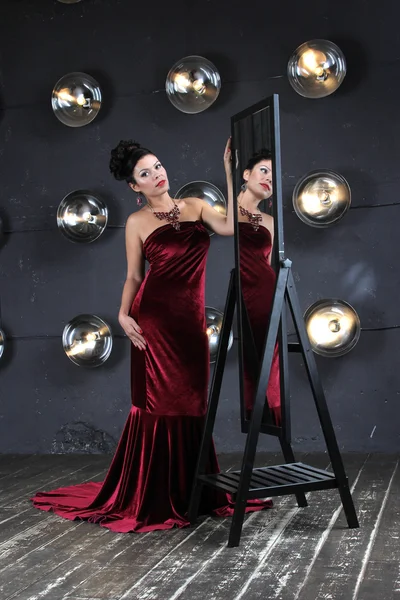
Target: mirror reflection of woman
(149, 482)
(256, 237)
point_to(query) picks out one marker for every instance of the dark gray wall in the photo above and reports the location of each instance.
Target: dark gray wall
(50, 405)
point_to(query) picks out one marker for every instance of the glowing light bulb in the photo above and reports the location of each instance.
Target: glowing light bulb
(321, 198)
(65, 95)
(212, 330)
(334, 325)
(313, 62)
(182, 83)
(324, 197)
(87, 216)
(198, 86)
(311, 203)
(316, 68)
(329, 329)
(321, 74)
(70, 218)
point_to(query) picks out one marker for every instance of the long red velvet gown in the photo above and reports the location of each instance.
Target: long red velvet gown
(258, 285)
(149, 481)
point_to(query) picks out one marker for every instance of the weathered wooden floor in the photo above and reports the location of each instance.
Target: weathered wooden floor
(286, 553)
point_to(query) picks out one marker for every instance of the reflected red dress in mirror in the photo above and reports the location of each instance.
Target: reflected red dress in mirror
(149, 481)
(258, 285)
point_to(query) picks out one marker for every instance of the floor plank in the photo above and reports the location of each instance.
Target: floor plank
(199, 551)
(131, 549)
(44, 558)
(21, 536)
(13, 465)
(270, 562)
(335, 571)
(287, 553)
(381, 576)
(141, 561)
(47, 479)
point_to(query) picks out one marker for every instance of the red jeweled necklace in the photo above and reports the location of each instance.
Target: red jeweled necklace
(254, 218)
(172, 216)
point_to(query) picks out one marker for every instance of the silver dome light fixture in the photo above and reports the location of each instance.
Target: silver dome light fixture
(333, 327)
(193, 84)
(87, 340)
(321, 198)
(76, 99)
(206, 191)
(214, 320)
(316, 68)
(82, 216)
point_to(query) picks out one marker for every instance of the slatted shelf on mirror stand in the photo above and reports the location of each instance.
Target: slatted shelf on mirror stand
(274, 481)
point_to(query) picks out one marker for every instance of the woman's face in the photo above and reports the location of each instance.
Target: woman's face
(259, 179)
(150, 177)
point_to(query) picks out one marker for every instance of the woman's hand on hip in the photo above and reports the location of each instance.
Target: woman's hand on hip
(133, 331)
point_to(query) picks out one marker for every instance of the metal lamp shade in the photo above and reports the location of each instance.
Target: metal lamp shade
(321, 198)
(76, 99)
(82, 217)
(69, 1)
(87, 340)
(316, 69)
(333, 327)
(214, 319)
(2, 342)
(206, 191)
(193, 84)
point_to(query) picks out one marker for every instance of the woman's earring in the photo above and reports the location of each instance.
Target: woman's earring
(139, 200)
(244, 187)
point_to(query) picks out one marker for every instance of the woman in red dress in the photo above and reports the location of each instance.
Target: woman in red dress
(256, 236)
(149, 481)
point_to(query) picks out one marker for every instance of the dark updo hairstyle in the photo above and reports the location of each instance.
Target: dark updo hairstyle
(124, 158)
(262, 154)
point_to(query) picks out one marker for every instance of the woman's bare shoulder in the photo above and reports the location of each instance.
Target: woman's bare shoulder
(136, 218)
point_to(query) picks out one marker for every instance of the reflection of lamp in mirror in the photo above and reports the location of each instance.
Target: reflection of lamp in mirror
(214, 320)
(82, 217)
(206, 191)
(333, 327)
(321, 198)
(193, 84)
(2, 342)
(76, 99)
(87, 340)
(316, 68)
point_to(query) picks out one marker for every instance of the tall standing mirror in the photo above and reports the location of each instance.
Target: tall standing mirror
(255, 176)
